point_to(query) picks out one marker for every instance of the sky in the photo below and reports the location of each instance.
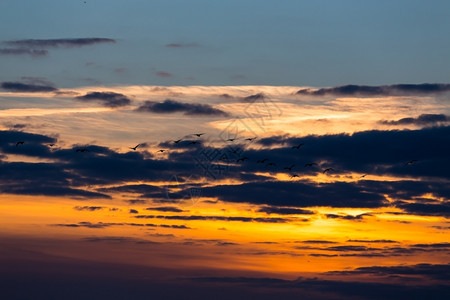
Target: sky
(226, 149)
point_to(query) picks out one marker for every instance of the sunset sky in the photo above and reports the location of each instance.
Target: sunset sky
(224, 149)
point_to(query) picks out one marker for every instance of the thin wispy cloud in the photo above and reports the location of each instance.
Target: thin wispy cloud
(56, 43)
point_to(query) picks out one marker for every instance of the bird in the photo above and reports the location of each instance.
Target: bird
(290, 167)
(294, 175)
(242, 159)
(82, 150)
(135, 147)
(177, 141)
(193, 143)
(261, 161)
(51, 145)
(160, 150)
(411, 162)
(231, 140)
(327, 170)
(198, 134)
(310, 164)
(298, 146)
(362, 176)
(250, 139)
(19, 143)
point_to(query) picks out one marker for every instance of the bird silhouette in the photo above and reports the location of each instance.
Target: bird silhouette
(193, 143)
(298, 146)
(177, 141)
(160, 151)
(362, 176)
(231, 140)
(19, 143)
(261, 161)
(294, 175)
(51, 145)
(310, 164)
(250, 139)
(290, 167)
(411, 162)
(82, 150)
(327, 170)
(198, 134)
(135, 147)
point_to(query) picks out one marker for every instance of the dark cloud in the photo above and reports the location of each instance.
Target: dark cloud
(442, 209)
(109, 99)
(214, 218)
(384, 90)
(172, 106)
(89, 208)
(372, 241)
(348, 217)
(56, 43)
(317, 242)
(182, 45)
(24, 87)
(163, 74)
(439, 272)
(424, 119)
(285, 211)
(133, 211)
(166, 209)
(255, 97)
(23, 51)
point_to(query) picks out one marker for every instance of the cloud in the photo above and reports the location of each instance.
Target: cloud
(383, 90)
(89, 208)
(285, 211)
(133, 211)
(56, 43)
(348, 217)
(109, 99)
(424, 119)
(182, 45)
(214, 218)
(255, 97)
(165, 209)
(29, 88)
(172, 106)
(23, 51)
(163, 74)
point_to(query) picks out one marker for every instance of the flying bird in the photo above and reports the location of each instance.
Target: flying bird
(294, 175)
(231, 140)
(51, 145)
(298, 146)
(310, 164)
(135, 147)
(250, 139)
(198, 134)
(327, 170)
(19, 143)
(160, 150)
(290, 167)
(411, 162)
(362, 176)
(177, 141)
(261, 161)
(193, 143)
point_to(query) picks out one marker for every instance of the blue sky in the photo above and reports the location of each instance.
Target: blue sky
(315, 43)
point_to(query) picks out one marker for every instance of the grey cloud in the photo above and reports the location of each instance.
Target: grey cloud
(172, 106)
(24, 87)
(55, 43)
(109, 99)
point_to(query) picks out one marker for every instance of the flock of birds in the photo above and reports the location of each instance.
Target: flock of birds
(264, 161)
